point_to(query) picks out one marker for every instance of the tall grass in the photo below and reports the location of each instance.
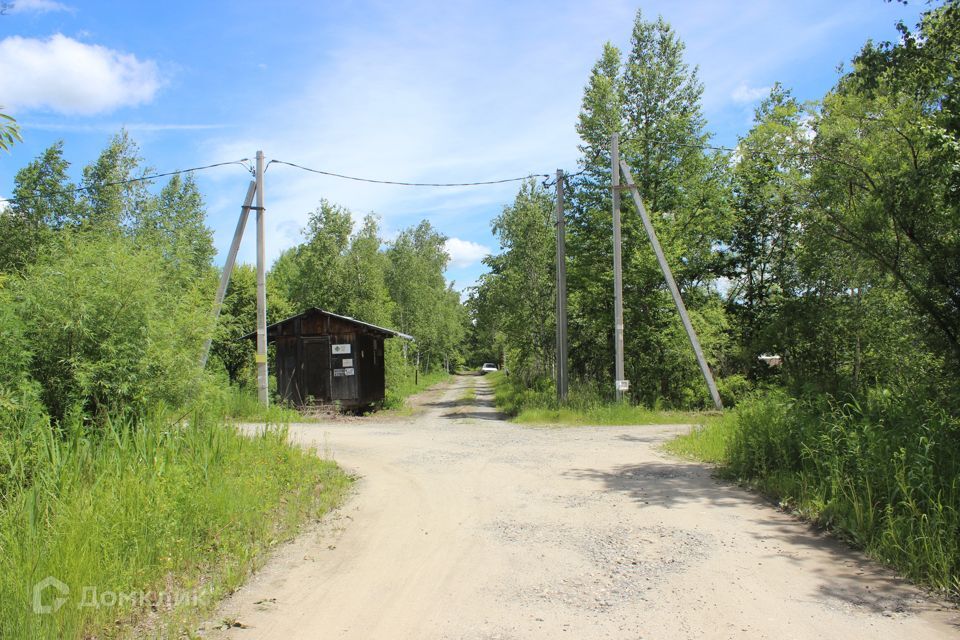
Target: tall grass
(882, 471)
(152, 513)
(237, 402)
(708, 442)
(536, 403)
(403, 383)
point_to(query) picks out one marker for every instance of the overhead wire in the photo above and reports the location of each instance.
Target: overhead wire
(242, 162)
(548, 180)
(410, 184)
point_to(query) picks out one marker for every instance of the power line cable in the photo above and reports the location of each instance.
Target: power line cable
(410, 184)
(242, 162)
(548, 179)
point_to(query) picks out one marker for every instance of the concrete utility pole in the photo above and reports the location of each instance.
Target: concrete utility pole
(620, 379)
(228, 267)
(674, 291)
(261, 293)
(562, 379)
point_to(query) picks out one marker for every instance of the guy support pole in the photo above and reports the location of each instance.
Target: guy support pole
(562, 380)
(228, 267)
(261, 293)
(620, 379)
(674, 291)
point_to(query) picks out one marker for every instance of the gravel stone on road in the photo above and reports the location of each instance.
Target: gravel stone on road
(463, 525)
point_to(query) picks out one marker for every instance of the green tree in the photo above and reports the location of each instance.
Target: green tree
(110, 333)
(663, 124)
(521, 281)
(175, 223)
(652, 99)
(769, 184)
(485, 338)
(112, 199)
(364, 270)
(601, 114)
(350, 273)
(418, 288)
(335, 269)
(43, 204)
(312, 274)
(886, 177)
(238, 316)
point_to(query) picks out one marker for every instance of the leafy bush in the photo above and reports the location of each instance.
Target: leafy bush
(110, 331)
(513, 396)
(14, 351)
(24, 435)
(733, 389)
(402, 379)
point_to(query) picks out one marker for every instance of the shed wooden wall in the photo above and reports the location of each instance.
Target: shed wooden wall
(315, 355)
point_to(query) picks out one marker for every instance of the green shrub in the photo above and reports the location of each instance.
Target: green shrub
(536, 402)
(402, 378)
(733, 389)
(24, 437)
(14, 351)
(513, 395)
(110, 332)
(766, 437)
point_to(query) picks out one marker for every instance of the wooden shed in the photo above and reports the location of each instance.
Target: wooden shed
(322, 357)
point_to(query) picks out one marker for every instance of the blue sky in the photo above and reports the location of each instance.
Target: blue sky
(409, 91)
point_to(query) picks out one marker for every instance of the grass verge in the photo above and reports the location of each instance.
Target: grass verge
(708, 443)
(536, 405)
(242, 404)
(882, 472)
(405, 384)
(610, 415)
(143, 525)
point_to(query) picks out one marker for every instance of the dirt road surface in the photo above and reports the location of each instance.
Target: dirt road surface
(465, 526)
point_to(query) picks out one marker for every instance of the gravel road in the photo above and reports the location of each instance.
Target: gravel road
(465, 526)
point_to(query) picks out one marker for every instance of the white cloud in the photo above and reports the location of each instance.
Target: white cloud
(113, 127)
(464, 253)
(37, 6)
(399, 101)
(67, 76)
(744, 93)
(471, 91)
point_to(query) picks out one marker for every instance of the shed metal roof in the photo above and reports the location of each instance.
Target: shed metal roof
(386, 332)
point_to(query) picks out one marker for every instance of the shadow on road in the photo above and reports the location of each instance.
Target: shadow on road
(667, 484)
(843, 579)
(480, 407)
(653, 438)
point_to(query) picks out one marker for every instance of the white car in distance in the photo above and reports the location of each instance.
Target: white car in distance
(487, 368)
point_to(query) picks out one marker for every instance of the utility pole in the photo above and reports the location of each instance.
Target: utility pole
(261, 293)
(674, 291)
(562, 374)
(619, 378)
(228, 268)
